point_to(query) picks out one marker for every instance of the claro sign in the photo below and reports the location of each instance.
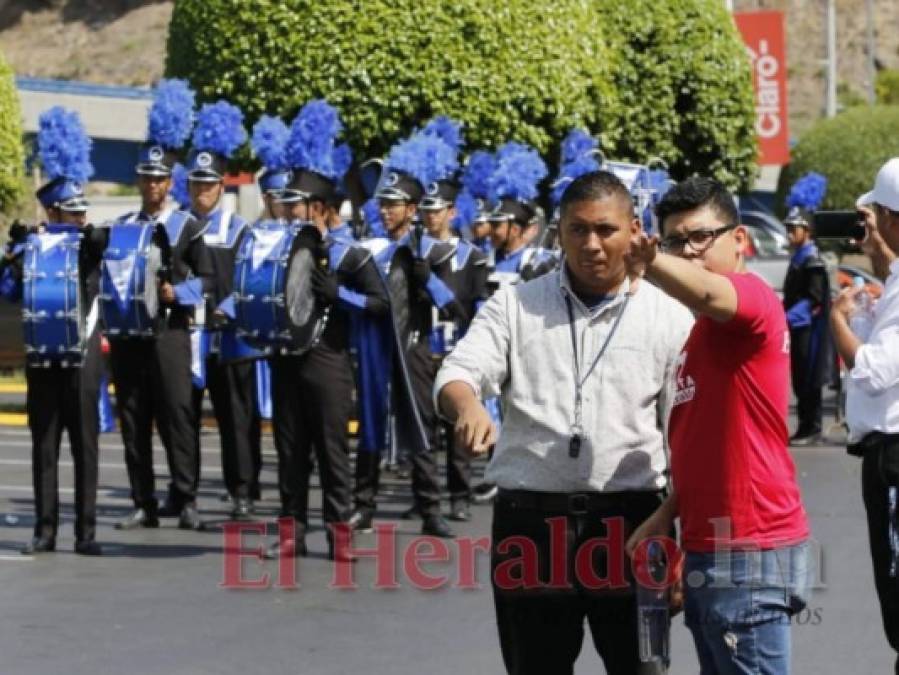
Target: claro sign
(763, 33)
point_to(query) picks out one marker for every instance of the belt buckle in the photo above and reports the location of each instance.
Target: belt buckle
(577, 504)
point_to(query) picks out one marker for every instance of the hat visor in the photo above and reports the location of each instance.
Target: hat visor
(290, 196)
(499, 217)
(392, 193)
(866, 199)
(153, 170)
(77, 205)
(205, 176)
(433, 204)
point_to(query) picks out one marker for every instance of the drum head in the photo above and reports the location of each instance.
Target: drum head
(399, 275)
(304, 315)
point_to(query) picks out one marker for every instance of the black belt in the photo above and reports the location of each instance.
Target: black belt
(872, 441)
(574, 503)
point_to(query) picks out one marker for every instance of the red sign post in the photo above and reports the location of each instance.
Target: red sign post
(763, 33)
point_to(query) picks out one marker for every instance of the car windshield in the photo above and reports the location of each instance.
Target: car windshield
(765, 243)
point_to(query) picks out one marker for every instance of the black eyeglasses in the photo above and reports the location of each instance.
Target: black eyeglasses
(699, 241)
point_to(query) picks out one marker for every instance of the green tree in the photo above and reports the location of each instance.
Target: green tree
(685, 86)
(887, 86)
(848, 150)
(12, 153)
(667, 78)
(518, 69)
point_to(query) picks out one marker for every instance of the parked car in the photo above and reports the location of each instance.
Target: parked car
(768, 254)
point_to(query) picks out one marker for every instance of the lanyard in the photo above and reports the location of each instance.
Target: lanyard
(577, 431)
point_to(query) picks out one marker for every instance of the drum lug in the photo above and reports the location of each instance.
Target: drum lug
(34, 317)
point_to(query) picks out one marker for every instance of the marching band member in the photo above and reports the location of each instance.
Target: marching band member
(63, 396)
(412, 164)
(218, 134)
(312, 392)
(475, 179)
(466, 275)
(152, 375)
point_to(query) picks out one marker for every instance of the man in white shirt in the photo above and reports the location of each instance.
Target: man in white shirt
(872, 394)
(583, 358)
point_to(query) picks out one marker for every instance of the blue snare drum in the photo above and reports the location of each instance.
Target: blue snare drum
(52, 311)
(275, 306)
(129, 300)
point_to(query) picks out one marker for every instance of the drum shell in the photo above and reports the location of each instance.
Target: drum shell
(135, 314)
(53, 311)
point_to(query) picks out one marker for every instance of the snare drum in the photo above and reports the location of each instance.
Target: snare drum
(276, 309)
(52, 310)
(129, 293)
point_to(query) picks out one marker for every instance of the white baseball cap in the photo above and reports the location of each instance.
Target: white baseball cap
(886, 187)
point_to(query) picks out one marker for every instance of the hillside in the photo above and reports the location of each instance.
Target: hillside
(123, 42)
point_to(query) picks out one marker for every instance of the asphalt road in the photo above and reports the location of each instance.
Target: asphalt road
(155, 603)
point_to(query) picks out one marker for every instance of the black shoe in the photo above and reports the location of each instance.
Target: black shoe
(169, 509)
(243, 509)
(225, 497)
(360, 521)
(484, 493)
(88, 547)
(344, 554)
(459, 511)
(190, 518)
(289, 548)
(137, 518)
(805, 440)
(435, 526)
(412, 513)
(39, 545)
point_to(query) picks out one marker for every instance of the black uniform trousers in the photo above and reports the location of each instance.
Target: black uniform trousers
(541, 630)
(232, 389)
(880, 473)
(312, 400)
(65, 399)
(153, 382)
(425, 480)
(806, 382)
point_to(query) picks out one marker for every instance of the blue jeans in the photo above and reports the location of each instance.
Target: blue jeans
(738, 606)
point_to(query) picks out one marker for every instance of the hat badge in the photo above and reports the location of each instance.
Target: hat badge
(77, 189)
(156, 154)
(204, 160)
(392, 179)
(433, 188)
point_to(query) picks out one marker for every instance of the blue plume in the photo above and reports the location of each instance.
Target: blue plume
(578, 142)
(219, 129)
(63, 145)
(447, 130)
(312, 136)
(371, 211)
(171, 116)
(519, 169)
(179, 190)
(269, 142)
(466, 210)
(570, 171)
(808, 192)
(342, 158)
(476, 175)
(423, 156)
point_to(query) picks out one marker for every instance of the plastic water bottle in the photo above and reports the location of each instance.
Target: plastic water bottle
(653, 621)
(862, 319)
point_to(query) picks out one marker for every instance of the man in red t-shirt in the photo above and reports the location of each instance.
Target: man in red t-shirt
(743, 526)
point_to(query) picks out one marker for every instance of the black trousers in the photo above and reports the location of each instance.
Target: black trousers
(153, 383)
(458, 466)
(806, 382)
(232, 389)
(880, 473)
(425, 479)
(65, 399)
(312, 400)
(541, 629)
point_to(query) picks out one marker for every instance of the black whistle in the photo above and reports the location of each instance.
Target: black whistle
(574, 446)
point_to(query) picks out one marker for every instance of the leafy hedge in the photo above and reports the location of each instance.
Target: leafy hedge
(848, 150)
(12, 153)
(685, 86)
(663, 77)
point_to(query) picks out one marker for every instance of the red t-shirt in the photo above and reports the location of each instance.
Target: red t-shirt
(728, 430)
